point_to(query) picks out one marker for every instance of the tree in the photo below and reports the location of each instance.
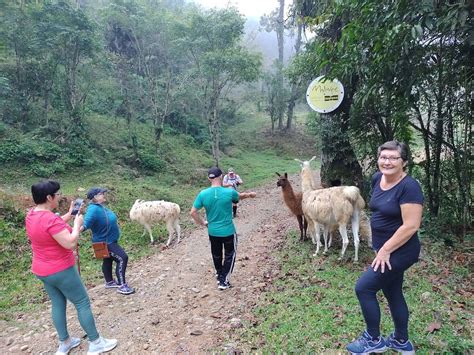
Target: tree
(275, 21)
(407, 65)
(273, 95)
(69, 37)
(143, 34)
(221, 62)
(295, 89)
(338, 158)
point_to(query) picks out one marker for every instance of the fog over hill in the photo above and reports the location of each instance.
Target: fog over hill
(259, 40)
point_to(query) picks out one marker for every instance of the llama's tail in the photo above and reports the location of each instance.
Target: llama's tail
(353, 195)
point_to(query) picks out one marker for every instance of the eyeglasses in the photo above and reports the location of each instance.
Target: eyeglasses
(390, 159)
(58, 193)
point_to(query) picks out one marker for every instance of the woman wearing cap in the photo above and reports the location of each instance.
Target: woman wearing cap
(103, 224)
(231, 179)
(52, 242)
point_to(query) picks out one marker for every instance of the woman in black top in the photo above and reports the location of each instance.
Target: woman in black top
(397, 205)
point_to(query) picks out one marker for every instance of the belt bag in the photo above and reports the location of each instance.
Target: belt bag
(101, 250)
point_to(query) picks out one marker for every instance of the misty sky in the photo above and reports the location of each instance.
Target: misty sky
(247, 7)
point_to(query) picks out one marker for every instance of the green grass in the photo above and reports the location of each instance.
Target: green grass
(312, 307)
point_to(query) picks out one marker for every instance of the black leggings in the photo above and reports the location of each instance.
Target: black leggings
(120, 257)
(223, 251)
(390, 282)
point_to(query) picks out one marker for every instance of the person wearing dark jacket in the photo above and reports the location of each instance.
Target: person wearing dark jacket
(103, 224)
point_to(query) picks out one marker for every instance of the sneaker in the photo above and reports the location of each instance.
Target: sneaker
(111, 284)
(366, 345)
(124, 289)
(66, 346)
(405, 348)
(101, 345)
(223, 285)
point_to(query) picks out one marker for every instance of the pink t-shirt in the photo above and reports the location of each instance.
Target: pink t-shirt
(49, 257)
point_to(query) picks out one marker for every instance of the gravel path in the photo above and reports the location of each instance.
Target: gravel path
(177, 308)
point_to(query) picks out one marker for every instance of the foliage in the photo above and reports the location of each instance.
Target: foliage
(276, 96)
(40, 156)
(169, 63)
(405, 68)
(310, 307)
(212, 42)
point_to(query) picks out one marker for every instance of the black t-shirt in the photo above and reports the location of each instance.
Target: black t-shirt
(386, 212)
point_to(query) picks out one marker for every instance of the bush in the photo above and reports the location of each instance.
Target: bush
(152, 162)
(41, 156)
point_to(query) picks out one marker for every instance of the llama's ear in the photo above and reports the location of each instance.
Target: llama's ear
(277, 174)
(299, 161)
(312, 158)
(286, 176)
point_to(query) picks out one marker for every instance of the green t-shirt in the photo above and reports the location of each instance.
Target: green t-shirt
(218, 204)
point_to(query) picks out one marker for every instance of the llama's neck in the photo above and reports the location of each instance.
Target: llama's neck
(288, 193)
(307, 183)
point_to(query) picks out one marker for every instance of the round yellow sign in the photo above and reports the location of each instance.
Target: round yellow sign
(324, 96)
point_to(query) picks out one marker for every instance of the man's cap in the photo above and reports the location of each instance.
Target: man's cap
(214, 172)
(94, 191)
(231, 170)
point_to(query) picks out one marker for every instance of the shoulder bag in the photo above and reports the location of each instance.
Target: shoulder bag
(101, 250)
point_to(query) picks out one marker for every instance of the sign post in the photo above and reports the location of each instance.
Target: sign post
(324, 96)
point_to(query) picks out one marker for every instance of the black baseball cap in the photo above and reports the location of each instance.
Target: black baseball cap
(214, 172)
(94, 191)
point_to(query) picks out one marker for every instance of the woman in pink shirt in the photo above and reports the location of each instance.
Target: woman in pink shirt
(52, 242)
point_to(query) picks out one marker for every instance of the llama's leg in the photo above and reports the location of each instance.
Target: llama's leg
(317, 236)
(369, 239)
(170, 228)
(330, 237)
(148, 228)
(325, 236)
(345, 239)
(300, 224)
(312, 231)
(355, 232)
(177, 228)
(305, 227)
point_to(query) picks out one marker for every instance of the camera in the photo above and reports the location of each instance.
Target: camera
(77, 206)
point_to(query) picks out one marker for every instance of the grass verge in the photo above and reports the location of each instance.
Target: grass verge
(312, 307)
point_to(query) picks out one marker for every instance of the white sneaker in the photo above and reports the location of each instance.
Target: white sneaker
(101, 345)
(66, 346)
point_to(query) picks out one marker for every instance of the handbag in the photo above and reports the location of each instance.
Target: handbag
(101, 250)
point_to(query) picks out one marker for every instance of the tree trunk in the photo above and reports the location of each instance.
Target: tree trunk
(294, 86)
(280, 37)
(439, 133)
(338, 160)
(214, 129)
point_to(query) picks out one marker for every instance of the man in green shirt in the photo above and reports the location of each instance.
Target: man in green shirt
(217, 201)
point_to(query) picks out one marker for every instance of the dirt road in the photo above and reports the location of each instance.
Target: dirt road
(177, 308)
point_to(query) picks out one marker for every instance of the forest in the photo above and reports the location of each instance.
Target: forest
(405, 67)
(140, 92)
